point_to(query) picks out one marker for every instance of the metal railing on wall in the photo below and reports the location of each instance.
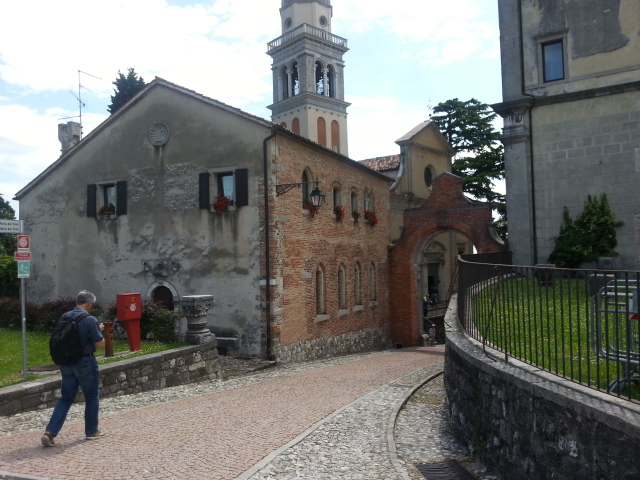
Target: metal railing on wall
(579, 324)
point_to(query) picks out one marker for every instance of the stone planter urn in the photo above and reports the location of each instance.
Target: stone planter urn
(195, 308)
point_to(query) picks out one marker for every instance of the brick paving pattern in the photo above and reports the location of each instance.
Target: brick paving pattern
(215, 436)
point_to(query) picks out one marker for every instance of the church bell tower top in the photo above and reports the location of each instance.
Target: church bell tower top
(316, 13)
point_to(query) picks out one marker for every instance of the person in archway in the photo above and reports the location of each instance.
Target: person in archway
(425, 305)
(433, 293)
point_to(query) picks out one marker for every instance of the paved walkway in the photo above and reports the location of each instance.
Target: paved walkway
(335, 419)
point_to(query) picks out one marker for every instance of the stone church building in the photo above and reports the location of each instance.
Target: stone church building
(179, 194)
(571, 110)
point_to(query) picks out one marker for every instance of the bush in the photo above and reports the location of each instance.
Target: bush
(155, 321)
(9, 281)
(590, 236)
(40, 318)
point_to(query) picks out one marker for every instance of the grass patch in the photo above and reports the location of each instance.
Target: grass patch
(552, 328)
(38, 353)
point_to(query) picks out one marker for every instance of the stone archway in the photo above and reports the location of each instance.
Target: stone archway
(446, 209)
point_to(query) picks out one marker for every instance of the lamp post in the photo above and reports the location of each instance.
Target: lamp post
(316, 196)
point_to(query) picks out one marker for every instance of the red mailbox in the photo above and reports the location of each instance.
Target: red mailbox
(129, 310)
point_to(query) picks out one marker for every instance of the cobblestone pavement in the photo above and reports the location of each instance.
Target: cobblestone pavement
(343, 418)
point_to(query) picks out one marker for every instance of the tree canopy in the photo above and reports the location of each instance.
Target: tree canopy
(8, 241)
(479, 155)
(125, 89)
(9, 283)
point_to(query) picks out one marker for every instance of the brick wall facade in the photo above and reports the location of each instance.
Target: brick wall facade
(446, 209)
(302, 244)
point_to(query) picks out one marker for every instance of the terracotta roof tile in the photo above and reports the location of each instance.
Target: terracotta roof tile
(383, 164)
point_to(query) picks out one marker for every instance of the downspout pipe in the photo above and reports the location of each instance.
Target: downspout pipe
(267, 238)
(530, 114)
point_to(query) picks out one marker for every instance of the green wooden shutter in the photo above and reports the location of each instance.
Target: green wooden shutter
(203, 190)
(91, 200)
(121, 198)
(242, 187)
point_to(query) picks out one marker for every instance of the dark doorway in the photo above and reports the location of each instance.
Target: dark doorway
(163, 297)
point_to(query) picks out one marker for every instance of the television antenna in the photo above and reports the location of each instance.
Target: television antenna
(79, 97)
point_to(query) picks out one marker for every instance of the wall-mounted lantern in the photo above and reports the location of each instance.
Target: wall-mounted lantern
(316, 197)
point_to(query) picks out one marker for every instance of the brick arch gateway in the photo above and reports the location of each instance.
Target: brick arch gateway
(446, 209)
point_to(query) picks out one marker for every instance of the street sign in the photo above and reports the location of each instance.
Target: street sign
(10, 226)
(22, 256)
(23, 269)
(23, 243)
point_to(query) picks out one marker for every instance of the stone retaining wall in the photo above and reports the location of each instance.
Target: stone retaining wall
(525, 423)
(164, 369)
(372, 339)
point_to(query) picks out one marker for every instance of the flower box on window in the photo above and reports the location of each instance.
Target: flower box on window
(106, 211)
(338, 211)
(370, 217)
(310, 207)
(355, 215)
(222, 205)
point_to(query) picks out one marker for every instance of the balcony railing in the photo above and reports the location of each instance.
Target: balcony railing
(579, 324)
(306, 29)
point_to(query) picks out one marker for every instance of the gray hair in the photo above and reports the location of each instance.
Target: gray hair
(85, 296)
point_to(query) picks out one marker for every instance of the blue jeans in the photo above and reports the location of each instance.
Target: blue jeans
(84, 374)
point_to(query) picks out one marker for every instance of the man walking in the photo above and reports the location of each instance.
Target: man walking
(84, 373)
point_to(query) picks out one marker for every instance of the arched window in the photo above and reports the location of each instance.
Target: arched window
(428, 176)
(337, 196)
(372, 283)
(355, 208)
(295, 125)
(342, 287)
(295, 82)
(319, 79)
(320, 310)
(335, 136)
(322, 131)
(357, 289)
(305, 186)
(284, 82)
(331, 79)
(369, 203)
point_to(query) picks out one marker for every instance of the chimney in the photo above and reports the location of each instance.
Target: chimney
(69, 135)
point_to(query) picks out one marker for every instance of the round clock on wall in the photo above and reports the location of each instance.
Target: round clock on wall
(158, 134)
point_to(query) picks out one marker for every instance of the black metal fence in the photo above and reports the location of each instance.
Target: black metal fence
(579, 324)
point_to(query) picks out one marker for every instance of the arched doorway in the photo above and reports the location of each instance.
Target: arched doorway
(163, 297)
(447, 225)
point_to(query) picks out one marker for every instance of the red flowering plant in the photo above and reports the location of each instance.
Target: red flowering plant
(370, 217)
(338, 211)
(356, 215)
(107, 210)
(221, 205)
(310, 207)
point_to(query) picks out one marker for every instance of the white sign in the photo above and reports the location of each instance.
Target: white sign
(10, 226)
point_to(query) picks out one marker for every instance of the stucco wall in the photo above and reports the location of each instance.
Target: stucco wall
(202, 253)
(587, 147)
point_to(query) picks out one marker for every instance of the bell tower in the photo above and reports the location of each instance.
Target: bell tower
(308, 74)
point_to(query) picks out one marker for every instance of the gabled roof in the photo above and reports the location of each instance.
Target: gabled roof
(411, 134)
(383, 164)
(156, 83)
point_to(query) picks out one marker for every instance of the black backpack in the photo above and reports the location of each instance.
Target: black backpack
(64, 345)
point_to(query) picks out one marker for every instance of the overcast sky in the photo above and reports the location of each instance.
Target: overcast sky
(404, 56)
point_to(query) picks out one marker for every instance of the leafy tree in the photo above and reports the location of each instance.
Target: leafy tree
(8, 241)
(9, 283)
(479, 155)
(590, 236)
(126, 88)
